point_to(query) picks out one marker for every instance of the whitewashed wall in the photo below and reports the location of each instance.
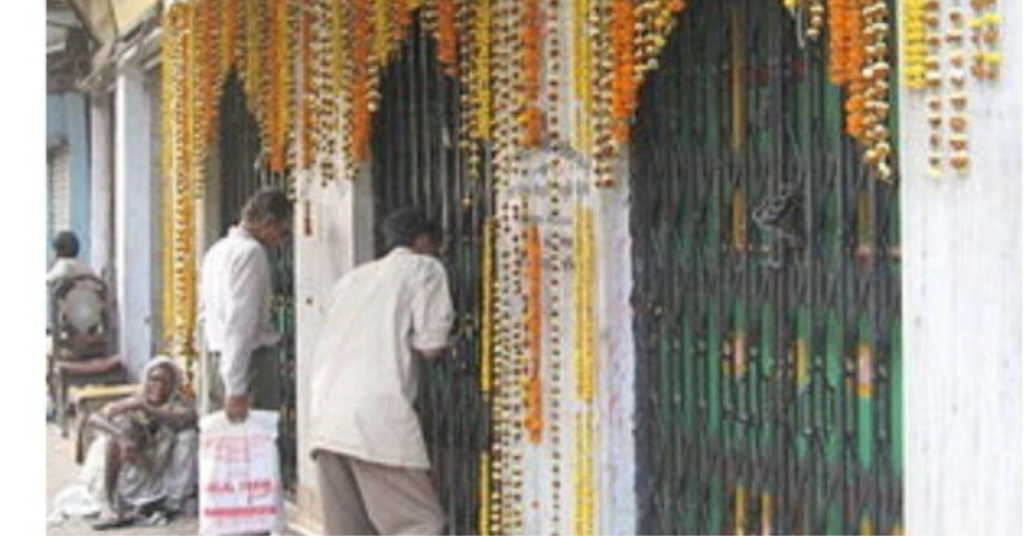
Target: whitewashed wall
(962, 312)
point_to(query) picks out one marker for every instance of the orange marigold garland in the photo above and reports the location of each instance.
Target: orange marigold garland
(624, 82)
(208, 70)
(359, 84)
(447, 37)
(229, 31)
(844, 23)
(307, 88)
(280, 84)
(532, 32)
(534, 409)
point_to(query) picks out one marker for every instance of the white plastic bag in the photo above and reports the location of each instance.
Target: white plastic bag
(239, 475)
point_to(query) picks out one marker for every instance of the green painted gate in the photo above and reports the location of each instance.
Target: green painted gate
(767, 291)
(416, 161)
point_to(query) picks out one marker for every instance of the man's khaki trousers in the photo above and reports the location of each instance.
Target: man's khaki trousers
(368, 498)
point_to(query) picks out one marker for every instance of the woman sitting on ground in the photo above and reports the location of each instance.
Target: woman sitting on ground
(150, 448)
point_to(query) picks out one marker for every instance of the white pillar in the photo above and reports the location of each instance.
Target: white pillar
(617, 366)
(962, 311)
(333, 234)
(102, 180)
(133, 216)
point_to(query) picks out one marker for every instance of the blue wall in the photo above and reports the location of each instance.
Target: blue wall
(67, 121)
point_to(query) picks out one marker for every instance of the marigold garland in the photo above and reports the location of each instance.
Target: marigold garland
(957, 141)
(359, 82)
(532, 42)
(876, 94)
(985, 37)
(480, 81)
(844, 26)
(178, 60)
(447, 37)
(229, 31)
(553, 250)
(278, 81)
(307, 87)
(585, 368)
(487, 309)
(487, 508)
(624, 81)
(915, 45)
(534, 275)
(583, 61)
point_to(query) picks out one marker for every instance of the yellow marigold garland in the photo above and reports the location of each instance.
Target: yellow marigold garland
(915, 45)
(586, 369)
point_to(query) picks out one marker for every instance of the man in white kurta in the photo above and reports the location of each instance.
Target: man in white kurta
(383, 317)
(235, 308)
(66, 265)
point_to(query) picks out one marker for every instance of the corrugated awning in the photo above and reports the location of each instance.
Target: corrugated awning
(108, 20)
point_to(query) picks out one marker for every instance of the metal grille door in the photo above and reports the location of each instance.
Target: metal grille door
(243, 170)
(767, 291)
(416, 161)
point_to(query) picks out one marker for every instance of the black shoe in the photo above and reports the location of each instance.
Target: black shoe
(114, 523)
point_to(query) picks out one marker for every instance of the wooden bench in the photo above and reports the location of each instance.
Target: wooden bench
(85, 400)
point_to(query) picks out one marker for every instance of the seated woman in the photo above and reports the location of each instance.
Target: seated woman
(149, 449)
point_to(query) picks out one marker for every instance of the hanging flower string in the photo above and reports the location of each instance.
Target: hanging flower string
(229, 30)
(624, 78)
(532, 37)
(480, 80)
(876, 95)
(178, 60)
(586, 370)
(553, 262)
(486, 365)
(280, 63)
(447, 37)
(985, 38)
(359, 86)
(582, 78)
(915, 45)
(534, 408)
(307, 87)
(958, 143)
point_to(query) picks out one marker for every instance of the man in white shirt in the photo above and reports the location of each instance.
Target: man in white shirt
(235, 308)
(65, 245)
(366, 440)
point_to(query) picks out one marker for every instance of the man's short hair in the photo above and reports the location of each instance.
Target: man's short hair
(402, 226)
(66, 244)
(268, 203)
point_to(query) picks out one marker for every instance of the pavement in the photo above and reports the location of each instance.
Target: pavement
(61, 470)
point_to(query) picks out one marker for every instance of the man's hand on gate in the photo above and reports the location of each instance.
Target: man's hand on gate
(237, 408)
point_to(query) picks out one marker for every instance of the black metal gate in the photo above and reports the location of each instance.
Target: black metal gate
(416, 161)
(767, 291)
(243, 170)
